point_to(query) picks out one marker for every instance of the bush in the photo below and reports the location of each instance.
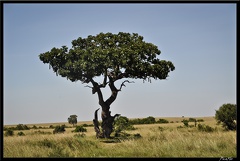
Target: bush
(34, 127)
(185, 122)
(59, 129)
(162, 121)
(227, 115)
(191, 119)
(9, 132)
(122, 123)
(20, 133)
(80, 129)
(149, 120)
(206, 128)
(200, 120)
(21, 127)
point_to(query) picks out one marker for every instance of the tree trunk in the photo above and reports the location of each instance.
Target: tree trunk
(107, 119)
(107, 123)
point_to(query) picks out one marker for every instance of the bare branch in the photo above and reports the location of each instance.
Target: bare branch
(124, 84)
(88, 86)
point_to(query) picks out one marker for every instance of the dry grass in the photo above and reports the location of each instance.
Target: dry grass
(158, 140)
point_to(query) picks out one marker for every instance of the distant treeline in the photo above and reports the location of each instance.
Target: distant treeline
(147, 120)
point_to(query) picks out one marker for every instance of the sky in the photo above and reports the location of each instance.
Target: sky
(199, 39)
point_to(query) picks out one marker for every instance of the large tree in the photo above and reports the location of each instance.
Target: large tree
(112, 57)
(227, 115)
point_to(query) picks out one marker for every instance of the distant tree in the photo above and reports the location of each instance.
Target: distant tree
(227, 115)
(72, 119)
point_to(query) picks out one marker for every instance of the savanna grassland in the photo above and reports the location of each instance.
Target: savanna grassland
(171, 139)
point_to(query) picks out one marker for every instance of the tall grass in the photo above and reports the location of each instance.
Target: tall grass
(158, 140)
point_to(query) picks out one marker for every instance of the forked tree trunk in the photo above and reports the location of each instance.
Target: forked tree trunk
(107, 119)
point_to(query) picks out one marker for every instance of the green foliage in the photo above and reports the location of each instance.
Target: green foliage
(185, 122)
(227, 115)
(192, 119)
(121, 55)
(9, 132)
(122, 123)
(80, 129)
(72, 119)
(34, 127)
(59, 129)
(148, 120)
(20, 133)
(206, 128)
(51, 126)
(162, 121)
(21, 127)
(200, 120)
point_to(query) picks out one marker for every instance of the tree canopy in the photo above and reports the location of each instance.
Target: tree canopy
(227, 115)
(72, 119)
(113, 56)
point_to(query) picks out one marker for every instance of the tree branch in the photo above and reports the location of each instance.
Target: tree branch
(97, 89)
(88, 86)
(124, 84)
(114, 90)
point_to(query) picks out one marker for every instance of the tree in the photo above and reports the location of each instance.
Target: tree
(112, 57)
(227, 115)
(72, 119)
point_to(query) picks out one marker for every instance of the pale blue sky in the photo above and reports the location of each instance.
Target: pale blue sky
(200, 40)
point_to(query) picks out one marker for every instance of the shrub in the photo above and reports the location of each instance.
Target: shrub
(85, 125)
(20, 133)
(34, 127)
(206, 128)
(200, 120)
(122, 123)
(9, 132)
(4, 128)
(162, 121)
(80, 129)
(59, 129)
(149, 120)
(185, 122)
(22, 127)
(191, 119)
